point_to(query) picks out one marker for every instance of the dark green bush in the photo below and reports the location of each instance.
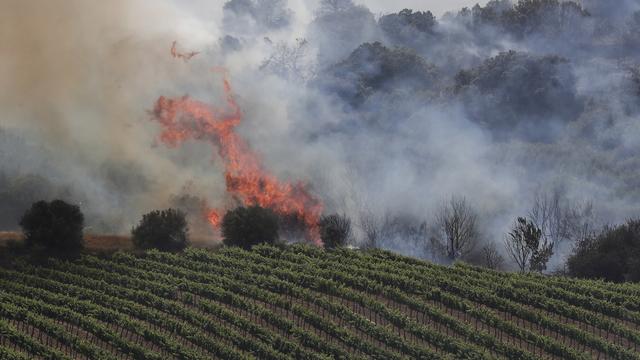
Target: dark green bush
(248, 226)
(335, 230)
(611, 255)
(54, 226)
(165, 230)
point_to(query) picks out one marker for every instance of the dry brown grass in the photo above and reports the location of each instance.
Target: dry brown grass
(108, 243)
(6, 236)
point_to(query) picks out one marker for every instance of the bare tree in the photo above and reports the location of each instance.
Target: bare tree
(457, 225)
(561, 220)
(404, 229)
(526, 246)
(371, 226)
(491, 257)
(290, 61)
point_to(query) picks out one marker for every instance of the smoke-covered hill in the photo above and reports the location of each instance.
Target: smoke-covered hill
(384, 116)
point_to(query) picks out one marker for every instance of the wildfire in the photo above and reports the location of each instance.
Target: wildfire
(185, 119)
(184, 56)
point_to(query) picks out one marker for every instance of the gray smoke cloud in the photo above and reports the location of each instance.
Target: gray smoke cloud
(78, 79)
(381, 111)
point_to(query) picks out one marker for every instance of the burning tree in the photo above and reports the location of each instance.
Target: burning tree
(185, 119)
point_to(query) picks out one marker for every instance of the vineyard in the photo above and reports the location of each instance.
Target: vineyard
(301, 302)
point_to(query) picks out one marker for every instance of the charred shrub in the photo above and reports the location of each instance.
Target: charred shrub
(335, 230)
(248, 226)
(165, 230)
(54, 226)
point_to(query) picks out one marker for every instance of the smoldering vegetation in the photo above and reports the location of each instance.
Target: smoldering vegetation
(399, 121)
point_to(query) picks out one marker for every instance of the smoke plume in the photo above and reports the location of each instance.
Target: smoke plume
(383, 113)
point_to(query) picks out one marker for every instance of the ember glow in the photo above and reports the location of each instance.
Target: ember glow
(185, 119)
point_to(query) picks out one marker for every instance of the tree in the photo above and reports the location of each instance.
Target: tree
(525, 246)
(292, 228)
(263, 15)
(408, 27)
(339, 27)
(404, 233)
(334, 6)
(164, 230)
(290, 62)
(561, 220)
(371, 229)
(54, 226)
(610, 255)
(374, 68)
(497, 94)
(457, 223)
(491, 258)
(335, 230)
(248, 226)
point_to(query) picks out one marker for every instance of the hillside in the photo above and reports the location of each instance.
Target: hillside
(303, 302)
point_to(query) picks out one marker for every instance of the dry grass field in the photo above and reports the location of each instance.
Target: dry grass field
(107, 243)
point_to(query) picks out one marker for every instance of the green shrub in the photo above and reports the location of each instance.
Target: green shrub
(54, 226)
(248, 226)
(611, 255)
(165, 230)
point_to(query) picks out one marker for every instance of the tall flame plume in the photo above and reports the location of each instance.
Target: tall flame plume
(246, 179)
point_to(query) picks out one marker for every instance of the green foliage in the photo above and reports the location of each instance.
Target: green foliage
(370, 304)
(165, 230)
(373, 67)
(54, 226)
(530, 17)
(526, 246)
(408, 27)
(18, 192)
(248, 226)
(498, 93)
(612, 255)
(335, 230)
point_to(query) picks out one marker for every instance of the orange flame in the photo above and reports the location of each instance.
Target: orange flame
(185, 119)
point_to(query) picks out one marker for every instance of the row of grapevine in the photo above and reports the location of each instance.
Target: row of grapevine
(406, 278)
(254, 286)
(550, 305)
(302, 302)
